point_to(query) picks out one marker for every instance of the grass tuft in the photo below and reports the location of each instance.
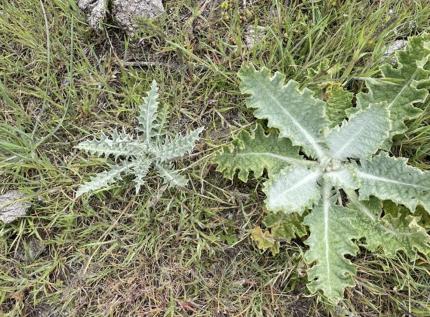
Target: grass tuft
(167, 252)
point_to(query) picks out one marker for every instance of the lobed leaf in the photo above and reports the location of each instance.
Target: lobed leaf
(330, 241)
(170, 176)
(391, 178)
(391, 234)
(140, 169)
(401, 86)
(360, 136)
(293, 190)
(265, 240)
(296, 114)
(177, 146)
(148, 113)
(140, 155)
(256, 152)
(285, 226)
(103, 179)
(119, 144)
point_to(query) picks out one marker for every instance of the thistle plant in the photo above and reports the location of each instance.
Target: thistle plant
(136, 155)
(335, 177)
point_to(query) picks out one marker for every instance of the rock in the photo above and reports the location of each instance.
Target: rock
(95, 10)
(253, 34)
(125, 12)
(395, 46)
(13, 206)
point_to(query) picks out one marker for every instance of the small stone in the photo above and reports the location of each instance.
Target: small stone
(253, 34)
(395, 46)
(13, 206)
(95, 10)
(126, 12)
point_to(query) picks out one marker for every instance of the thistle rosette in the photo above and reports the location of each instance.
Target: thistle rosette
(138, 154)
(344, 168)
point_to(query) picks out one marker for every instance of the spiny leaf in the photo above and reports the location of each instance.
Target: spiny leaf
(335, 229)
(293, 190)
(103, 179)
(177, 146)
(265, 240)
(256, 152)
(148, 112)
(391, 234)
(401, 86)
(360, 136)
(391, 178)
(170, 176)
(140, 170)
(140, 154)
(331, 239)
(338, 100)
(297, 114)
(119, 144)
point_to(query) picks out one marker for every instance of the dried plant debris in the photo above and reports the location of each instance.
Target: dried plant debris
(124, 12)
(13, 205)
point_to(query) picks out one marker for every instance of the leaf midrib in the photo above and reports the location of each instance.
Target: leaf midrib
(343, 147)
(326, 210)
(403, 89)
(318, 150)
(389, 180)
(287, 159)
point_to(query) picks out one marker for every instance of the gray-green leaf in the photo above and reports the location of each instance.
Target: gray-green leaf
(360, 136)
(297, 114)
(256, 152)
(293, 190)
(390, 178)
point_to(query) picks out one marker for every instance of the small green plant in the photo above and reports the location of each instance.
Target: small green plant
(339, 183)
(138, 155)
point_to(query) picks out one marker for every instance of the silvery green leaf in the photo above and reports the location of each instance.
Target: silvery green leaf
(171, 176)
(116, 145)
(297, 114)
(360, 136)
(390, 178)
(293, 186)
(148, 112)
(330, 241)
(293, 190)
(140, 155)
(103, 179)
(178, 146)
(256, 152)
(401, 86)
(390, 233)
(140, 169)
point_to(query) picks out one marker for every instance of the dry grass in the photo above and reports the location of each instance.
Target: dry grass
(168, 252)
